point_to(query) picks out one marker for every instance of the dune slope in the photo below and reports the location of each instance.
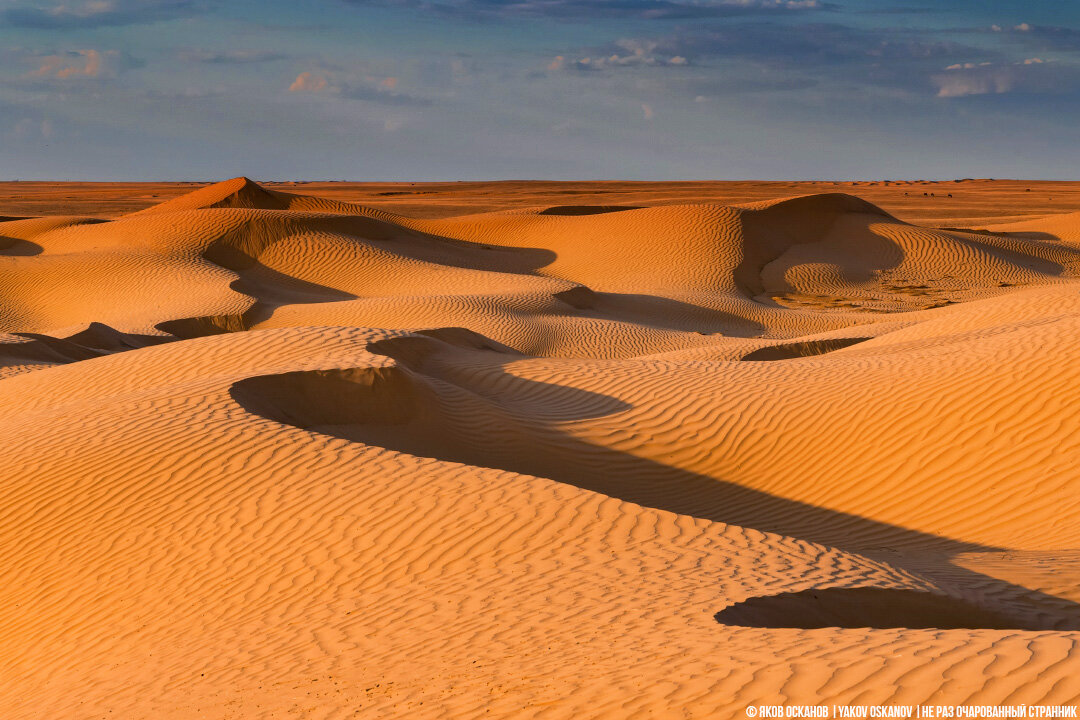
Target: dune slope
(270, 455)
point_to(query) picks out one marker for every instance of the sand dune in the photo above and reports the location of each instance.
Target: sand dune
(271, 455)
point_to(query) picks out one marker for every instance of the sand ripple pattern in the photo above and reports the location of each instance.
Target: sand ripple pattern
(268, 455)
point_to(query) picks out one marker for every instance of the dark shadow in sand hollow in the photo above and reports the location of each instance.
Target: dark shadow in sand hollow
(795, 350)
(571, 210)
(654, 311)
(16, 247)
(875, 607)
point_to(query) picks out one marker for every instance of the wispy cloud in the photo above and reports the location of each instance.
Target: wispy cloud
(626, 52)
(79, 64)
(608, 9)
(1041, 37)
(231, 57)
(367, 88)
(97, 13)
(771, 56)
(1031, 75)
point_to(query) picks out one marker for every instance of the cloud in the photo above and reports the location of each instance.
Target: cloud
(607, 9)
(758, 56)
(1022, 27)
(307, 82)
(624, 53)
(800, 47)
(1032, 75)
(77, 64)
(647, 111)
(98, 13)
(378, 92)
(28, 129)
(231, 57)
(1043, 37)
(806, 44)
(364, 88)
(750, 79)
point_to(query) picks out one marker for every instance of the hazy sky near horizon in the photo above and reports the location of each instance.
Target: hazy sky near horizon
(559, 89)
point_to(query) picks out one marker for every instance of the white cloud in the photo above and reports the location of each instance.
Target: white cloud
(1033, 75)
(634, 53)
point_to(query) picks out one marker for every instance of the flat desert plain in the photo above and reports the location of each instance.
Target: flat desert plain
(537, 450)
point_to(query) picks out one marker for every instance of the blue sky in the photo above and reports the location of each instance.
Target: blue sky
(546, 89)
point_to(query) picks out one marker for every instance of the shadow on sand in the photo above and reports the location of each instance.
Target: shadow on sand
(449, 397)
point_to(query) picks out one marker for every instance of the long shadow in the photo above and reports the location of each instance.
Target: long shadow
(870, 607)
(16, 247)
(454, 401)
(801, 349)
(587, 209)
(241, 246)
(96, 340)
(1016, 234)
(239, 249)
(656, 312)
(270, 288)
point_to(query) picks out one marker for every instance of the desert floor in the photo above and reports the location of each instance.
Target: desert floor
(551, 450)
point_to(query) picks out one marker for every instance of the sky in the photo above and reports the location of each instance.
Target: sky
(419, 90)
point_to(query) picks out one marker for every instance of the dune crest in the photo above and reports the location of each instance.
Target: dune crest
(274, 455)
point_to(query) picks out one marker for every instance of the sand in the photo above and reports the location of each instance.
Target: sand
(270, 454)
(970, 202)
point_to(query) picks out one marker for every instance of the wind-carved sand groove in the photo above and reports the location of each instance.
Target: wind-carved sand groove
(270, 455)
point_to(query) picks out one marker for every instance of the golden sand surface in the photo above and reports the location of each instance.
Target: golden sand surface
(537, 450)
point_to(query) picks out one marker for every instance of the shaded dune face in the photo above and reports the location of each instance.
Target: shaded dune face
(378, 396)
(268, 454)
(422, 406)
(790, 351)
(870, 608)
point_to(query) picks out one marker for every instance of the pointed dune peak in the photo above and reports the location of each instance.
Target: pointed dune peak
(239, 192)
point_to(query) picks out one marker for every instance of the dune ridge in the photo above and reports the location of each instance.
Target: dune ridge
(271, 454)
